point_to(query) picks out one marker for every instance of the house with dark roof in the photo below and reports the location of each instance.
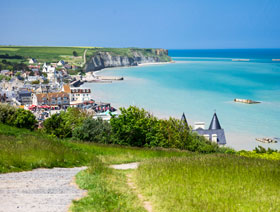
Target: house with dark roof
(61, 63)
(32, 61)
(214, 133)
(25, 97)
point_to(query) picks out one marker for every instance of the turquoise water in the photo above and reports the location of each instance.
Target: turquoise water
(201, 82)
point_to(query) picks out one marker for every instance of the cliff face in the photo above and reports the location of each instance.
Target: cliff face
(109, 59)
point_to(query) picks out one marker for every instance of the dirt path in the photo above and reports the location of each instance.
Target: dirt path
(85, 57)
(146, 204)
(44, 190)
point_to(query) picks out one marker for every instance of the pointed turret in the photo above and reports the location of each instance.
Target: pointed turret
(215, 124)
(183, 119)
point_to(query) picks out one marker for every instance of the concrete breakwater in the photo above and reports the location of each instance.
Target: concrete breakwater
(109, 78)
(246, 101)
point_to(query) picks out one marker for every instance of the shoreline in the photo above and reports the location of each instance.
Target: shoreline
(96, 73)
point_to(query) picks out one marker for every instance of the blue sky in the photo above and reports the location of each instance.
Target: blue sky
(185, 24)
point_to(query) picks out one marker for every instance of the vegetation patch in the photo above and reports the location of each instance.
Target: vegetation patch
(216, 182)
(107, 190)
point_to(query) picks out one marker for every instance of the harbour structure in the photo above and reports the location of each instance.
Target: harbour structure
(246, 101)
(214, 133)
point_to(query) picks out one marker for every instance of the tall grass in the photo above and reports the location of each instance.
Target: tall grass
(211, 183)
(107, 190)
(21, 149)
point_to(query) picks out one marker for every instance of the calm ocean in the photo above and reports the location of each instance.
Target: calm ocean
(201, 82)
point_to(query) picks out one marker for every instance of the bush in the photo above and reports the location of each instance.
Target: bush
(17, 117)
(7, 114)
(134, 127)
(75, 54)
(62, 125)
(95, 130)
(24, 119)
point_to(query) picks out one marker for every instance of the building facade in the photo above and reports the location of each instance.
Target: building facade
(77, 95)
(52, 99)
(214, 133)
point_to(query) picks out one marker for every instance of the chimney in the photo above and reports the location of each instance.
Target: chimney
(199, 125)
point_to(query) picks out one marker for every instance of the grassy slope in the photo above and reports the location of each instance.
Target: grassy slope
(42, 54)
(211, 183)
(24, 150)
(171, 180)
(107, 189)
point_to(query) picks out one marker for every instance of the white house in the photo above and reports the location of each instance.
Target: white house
(52, 73)
(61, 63)
(77, 95)
(32, 61)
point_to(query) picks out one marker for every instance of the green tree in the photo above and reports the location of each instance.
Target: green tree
(75, 54)
(17, 117)
(55, 126)
(134, 127)
(95, 130)
(36, 82)
(62, 125)
(24, 119)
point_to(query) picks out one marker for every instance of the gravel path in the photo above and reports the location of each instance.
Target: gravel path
(46, 190)
(125, 166)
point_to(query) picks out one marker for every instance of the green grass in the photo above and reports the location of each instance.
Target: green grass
(21, 149)
(24, 150)
(107, 190)
(210, 183)
(171, 180)
(42, 53)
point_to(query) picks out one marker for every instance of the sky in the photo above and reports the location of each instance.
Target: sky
(171, 24)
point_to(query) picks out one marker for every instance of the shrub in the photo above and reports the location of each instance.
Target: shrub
(134, 127)
(7, 114)
(95, 130)
(75, 54)
(62, 125)
(24, 119)
(17, 117)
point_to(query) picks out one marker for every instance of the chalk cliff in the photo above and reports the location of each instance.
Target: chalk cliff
(107, 59)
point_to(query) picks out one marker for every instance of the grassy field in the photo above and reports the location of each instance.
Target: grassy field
(210, 183)
(171, 180)
(42, 53)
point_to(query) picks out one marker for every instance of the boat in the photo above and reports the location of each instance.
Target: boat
(246, 101)
(242, 60)
(275, 59)
(266, 140)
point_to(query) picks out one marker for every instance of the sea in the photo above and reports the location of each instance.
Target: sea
(201, 82)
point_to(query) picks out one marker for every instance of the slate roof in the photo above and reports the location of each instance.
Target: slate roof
(214, 128)
(215, 124)
(184, 120)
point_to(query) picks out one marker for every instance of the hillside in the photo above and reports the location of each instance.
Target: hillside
(109, 57)
(18, 54)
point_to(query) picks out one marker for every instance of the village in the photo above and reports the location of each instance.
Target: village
(46, 89)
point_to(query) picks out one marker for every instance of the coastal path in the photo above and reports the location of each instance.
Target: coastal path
(44, 190)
